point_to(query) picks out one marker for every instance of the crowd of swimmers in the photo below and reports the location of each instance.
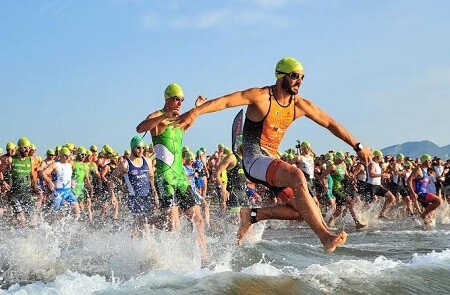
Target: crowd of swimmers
(157, 183)
(34, 187)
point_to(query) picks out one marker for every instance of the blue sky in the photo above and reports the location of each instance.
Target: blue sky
(89, 71)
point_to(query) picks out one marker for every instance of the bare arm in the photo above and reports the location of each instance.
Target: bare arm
(46, 175)
(223, 166)
(152, 122)
(151, 177)
(87, 181)
(235, 99)
(414, 174)
(314, 113)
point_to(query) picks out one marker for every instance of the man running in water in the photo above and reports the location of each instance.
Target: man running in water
(22, 186)
(270, 112)
(174, 189)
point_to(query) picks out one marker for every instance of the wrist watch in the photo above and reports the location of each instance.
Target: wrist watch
(359, 146)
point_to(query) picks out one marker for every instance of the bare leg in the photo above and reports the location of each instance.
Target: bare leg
(173, 216)
(432, 205)
(76, 207)
(390, 200)
(206, 206)
(195, 214)
(289, 176)
(89, 209)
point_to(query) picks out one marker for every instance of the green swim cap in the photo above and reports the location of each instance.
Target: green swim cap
(286, 66)
(23, 142)
(305, 144)
(202, 149)
(378, 153)
(227, 151)
(127, 152)
(348, 161)
(339, 155)
(65, 151)
(136, 141)
(200, 152)
(330, 162)
(424, 158)
(190, 155)
(408, 164)
(10, 146)
(329, 157)
(32, 147)
(93, 148)
(50, 152)
(58, 148)
(220, 145)
(173, 90)
(107, 149)
(70, 146)
(400, 156)
(81, 150)
(289, 156)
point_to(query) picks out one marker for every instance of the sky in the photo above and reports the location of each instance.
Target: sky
(89, 72)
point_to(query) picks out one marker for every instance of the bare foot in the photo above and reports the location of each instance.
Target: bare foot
(244, 224)
(360, 225)
(335, 241)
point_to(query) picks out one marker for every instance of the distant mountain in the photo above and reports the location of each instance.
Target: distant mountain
(415, 149)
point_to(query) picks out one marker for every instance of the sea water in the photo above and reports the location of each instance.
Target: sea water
(279, 257)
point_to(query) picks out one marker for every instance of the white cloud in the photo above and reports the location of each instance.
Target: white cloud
(255, 12)
(201, 21)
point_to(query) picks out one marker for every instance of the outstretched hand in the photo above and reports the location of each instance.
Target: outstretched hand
(365, 155)
(186, 120)
(200, 100)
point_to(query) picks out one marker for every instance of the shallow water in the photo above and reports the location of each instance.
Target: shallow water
(67, 257)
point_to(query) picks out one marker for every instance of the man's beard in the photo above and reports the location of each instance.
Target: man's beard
(286, 86)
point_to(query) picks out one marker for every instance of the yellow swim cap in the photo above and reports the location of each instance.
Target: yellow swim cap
(65, 151)
(286, 66)
(10, 146)
(173, 90)
(23, 142)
